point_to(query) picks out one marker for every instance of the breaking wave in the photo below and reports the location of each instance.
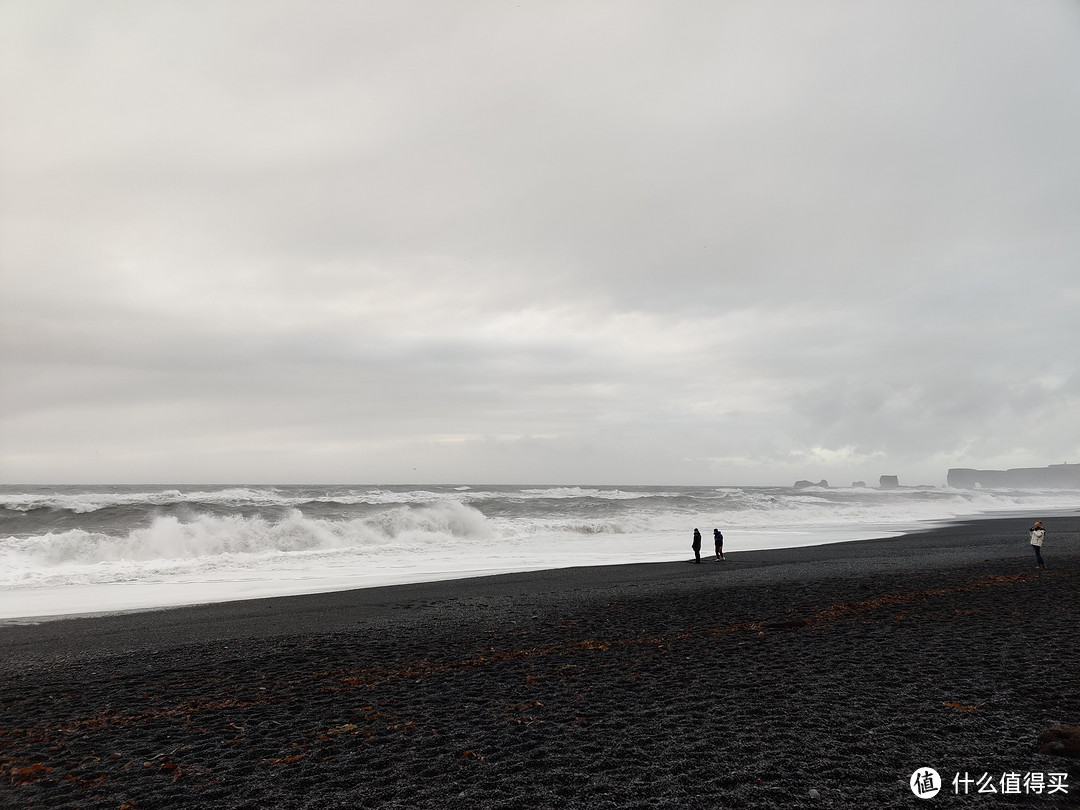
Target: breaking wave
(169, 538)
(57, 541)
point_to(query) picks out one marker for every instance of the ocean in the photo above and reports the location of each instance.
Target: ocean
(86, 549)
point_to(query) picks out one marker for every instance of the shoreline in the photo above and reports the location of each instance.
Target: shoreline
(948, 543)
(437, 580)
(835, 669)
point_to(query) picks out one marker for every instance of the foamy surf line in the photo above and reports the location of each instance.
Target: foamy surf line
(27, 605)
(79, 550)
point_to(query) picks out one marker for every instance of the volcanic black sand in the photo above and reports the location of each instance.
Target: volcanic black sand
(818, 677)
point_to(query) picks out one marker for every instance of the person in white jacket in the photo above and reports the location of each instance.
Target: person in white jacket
(1037, 535)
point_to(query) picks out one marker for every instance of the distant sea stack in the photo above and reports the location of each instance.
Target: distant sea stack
(1056, 476)
(889, 482)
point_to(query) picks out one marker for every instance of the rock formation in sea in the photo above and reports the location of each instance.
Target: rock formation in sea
(801, 484)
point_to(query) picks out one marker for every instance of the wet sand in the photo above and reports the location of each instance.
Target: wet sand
(814, 677)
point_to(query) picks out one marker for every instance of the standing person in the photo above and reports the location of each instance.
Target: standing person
(718, 541)
(697, 546)
(1037, 535)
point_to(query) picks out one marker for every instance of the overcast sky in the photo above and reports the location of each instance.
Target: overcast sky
(538, 242)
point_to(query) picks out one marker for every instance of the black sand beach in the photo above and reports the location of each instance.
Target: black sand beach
(817, 677)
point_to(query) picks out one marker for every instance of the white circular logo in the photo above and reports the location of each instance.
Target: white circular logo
(925, 783)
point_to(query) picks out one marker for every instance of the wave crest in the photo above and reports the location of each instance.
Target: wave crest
(170, 538)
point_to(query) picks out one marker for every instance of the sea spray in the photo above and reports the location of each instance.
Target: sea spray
(68, 549)
(168, 537)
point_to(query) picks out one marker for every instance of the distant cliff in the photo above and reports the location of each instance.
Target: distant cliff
(1056, 476)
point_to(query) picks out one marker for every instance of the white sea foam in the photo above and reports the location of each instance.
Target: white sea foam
(169, 538)
(582, 492)
(84, 502)
(214, 544)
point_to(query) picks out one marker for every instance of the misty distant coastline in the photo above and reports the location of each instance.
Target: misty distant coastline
(1054, 476)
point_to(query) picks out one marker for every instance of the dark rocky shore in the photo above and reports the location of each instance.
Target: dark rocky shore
(819, 677)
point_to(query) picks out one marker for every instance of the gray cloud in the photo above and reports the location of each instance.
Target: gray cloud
(719, 242)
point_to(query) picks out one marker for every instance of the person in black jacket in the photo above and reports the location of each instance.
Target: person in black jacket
(718, 541)
(697, 546)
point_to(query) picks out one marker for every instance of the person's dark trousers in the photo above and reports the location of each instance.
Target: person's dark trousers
(1038, 555)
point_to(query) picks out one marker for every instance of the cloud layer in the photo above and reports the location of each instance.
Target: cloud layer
(736, 242)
